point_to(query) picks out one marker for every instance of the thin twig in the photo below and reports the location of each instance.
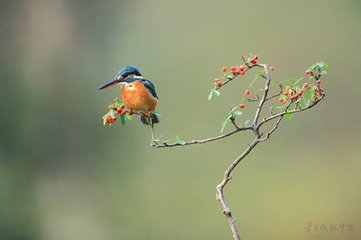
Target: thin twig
(291, 111)
(162, 144)
(265, 93)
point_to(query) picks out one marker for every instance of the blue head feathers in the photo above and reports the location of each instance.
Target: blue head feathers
(128, 70)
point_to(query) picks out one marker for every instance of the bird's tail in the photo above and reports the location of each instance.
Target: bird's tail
(153, 119)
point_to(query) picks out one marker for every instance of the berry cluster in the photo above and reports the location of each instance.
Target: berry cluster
(228, 73)
(308, 91)
(295, 94)
(116, 109)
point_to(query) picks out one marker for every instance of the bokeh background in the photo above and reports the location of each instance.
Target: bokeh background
(63, 175)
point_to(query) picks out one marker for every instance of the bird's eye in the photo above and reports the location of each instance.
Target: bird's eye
(131, 85)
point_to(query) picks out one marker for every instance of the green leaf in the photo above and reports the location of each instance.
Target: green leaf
(306, 97)
(179, 140)
(158, 138)
(233, 109)
(237, 113)
(261, 72)
(129, 117)
(254, 79)
(247, 123)
(122, 119)
(288, 116)
(323, 72)
(224, 124)
(297, 81)
(210, 95)
(313, 67)
(213, 91)
(157, 114)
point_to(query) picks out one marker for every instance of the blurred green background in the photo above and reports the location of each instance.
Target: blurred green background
(63, 175)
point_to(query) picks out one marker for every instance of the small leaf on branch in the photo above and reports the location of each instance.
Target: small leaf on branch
(178, 140)
(122, 119)
(210, 95)
(288, 116)
(216, 92)
(237, 113)
(225, 123)
(297, 81)
(247, 123)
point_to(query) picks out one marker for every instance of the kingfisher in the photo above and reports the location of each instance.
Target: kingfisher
(138, 94)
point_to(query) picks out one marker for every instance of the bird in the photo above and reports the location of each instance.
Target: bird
(138, 94)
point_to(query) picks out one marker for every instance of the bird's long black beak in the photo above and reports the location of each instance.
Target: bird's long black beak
(112, 82)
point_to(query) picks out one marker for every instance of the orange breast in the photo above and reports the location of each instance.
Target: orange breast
(137, 97)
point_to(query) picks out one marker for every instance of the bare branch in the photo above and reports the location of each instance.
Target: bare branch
(220, 188)
(276, 95)
(162, 144)
(273, 129)
(265, 93)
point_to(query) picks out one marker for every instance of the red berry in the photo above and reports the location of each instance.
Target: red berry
(242, 69)
(242, 105)
(217, 80)
(123, 111)
(281, 100)
(239, 71)
(318, 81)
(309, 72)
(119, 110)
(272, 69)
(247, 92)
(224, 69)
(218, 83)
(233, 69)
(111, 119)
(254, 59)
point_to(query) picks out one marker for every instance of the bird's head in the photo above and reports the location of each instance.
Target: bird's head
(129, 71)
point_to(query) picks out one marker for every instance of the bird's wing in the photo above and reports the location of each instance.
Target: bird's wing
(150, 86)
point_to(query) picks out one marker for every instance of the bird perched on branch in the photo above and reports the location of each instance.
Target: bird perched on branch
(138, 93)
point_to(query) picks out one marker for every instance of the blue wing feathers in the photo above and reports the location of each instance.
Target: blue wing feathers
(150, 86)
